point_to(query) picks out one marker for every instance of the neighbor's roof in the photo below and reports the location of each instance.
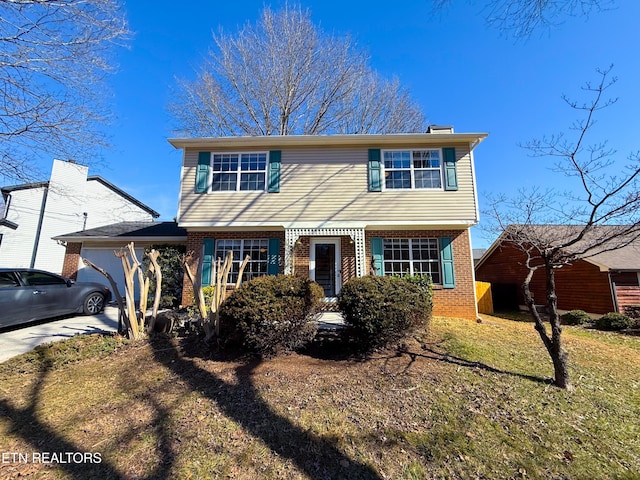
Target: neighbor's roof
(92, 178)
(625, 258)
(129, 231)
(279, 141)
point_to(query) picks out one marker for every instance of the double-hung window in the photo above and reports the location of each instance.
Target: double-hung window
(257, 249)
(412, 169)
(238, 171)
(412, 256)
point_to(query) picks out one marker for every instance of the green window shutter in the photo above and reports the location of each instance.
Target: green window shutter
(273, 173)
(202, 172)
(375, 170)
(377, 255)
(446, 257)
(273, 257)
(450, 175)
(207, 261)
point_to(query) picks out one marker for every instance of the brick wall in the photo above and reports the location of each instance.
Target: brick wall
(347, 251)
(579, 286)
(457, 302)
(71, 260)
(194, 244)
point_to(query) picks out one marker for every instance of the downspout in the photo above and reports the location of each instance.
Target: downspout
(614, 295)
(34, 253)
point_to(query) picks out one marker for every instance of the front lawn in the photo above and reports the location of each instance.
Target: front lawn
(468, 401)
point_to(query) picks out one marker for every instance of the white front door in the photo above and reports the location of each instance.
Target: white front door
(325, 264)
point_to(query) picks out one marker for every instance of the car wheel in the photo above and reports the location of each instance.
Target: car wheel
(93, 303)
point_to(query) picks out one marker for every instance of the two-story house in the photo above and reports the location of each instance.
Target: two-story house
(336, 207)
(69, 201)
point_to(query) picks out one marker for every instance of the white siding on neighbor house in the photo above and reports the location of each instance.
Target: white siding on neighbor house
(69, 197)
(321, 185)
(24, 210)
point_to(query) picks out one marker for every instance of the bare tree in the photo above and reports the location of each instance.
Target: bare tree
(554, 229)
(521, 18)
(54, 55)
(285, 76)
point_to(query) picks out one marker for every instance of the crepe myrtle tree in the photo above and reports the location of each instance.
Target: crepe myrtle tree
(553, 229)
(283, 75)
(54, 56)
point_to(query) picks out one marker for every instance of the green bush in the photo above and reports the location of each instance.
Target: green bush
(172, 274)
(272, 314)
(575, 317)
(633, 311)
(614, 321)
(380, 311)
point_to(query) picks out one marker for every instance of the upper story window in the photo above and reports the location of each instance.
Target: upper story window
(238, 171)
(417, 169)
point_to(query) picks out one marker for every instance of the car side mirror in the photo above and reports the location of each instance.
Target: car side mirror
(70, 282)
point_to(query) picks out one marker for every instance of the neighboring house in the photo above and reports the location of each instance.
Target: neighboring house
(98, 246)
(607, 282)
(336, 207)
(69, 201)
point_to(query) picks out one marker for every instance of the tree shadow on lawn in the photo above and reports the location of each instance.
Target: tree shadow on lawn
(317, 457)
(27, 424)
(463, 362)
(336, 348)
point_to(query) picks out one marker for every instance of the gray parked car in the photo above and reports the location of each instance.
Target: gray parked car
(27, 295)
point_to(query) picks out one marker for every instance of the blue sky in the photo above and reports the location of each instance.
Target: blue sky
(462, 72)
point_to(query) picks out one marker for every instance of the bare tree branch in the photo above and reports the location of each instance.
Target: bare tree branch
(54, 56)
(521, 18)
(600, 212)
(285, 76)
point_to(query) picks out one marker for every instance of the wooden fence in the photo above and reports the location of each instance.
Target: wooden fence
(483, 296)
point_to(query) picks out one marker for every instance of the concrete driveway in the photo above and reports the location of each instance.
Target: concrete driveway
(21, 340)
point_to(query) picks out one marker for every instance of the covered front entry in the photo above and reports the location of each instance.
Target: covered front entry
(325, 264)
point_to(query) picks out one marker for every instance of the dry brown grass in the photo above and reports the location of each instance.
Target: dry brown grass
(468, 401)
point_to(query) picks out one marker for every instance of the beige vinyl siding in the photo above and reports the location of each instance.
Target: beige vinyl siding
(327, 185)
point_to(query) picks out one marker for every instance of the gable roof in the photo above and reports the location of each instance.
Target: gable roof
(626, 258)
(129, 231)
(95, 178)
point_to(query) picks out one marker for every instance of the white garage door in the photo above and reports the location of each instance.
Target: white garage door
(104, 258)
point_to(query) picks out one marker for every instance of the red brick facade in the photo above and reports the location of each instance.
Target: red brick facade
(71, 260)
(579, 286)
(455, 302)
(194, 244)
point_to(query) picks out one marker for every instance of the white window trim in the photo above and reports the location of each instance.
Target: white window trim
(412, 170)
(238, 173)
(411, 260)
(214, 269)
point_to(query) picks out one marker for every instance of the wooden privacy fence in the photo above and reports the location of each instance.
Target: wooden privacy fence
(483, 296)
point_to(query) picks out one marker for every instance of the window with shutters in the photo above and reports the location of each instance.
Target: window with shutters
(257, 249)
(238, 171)
(412, 256)
(412, 169)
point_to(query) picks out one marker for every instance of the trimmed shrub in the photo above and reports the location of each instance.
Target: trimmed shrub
(271, 314)
(614, 321)
(380, 311)
(575, 317)
(633, 311)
